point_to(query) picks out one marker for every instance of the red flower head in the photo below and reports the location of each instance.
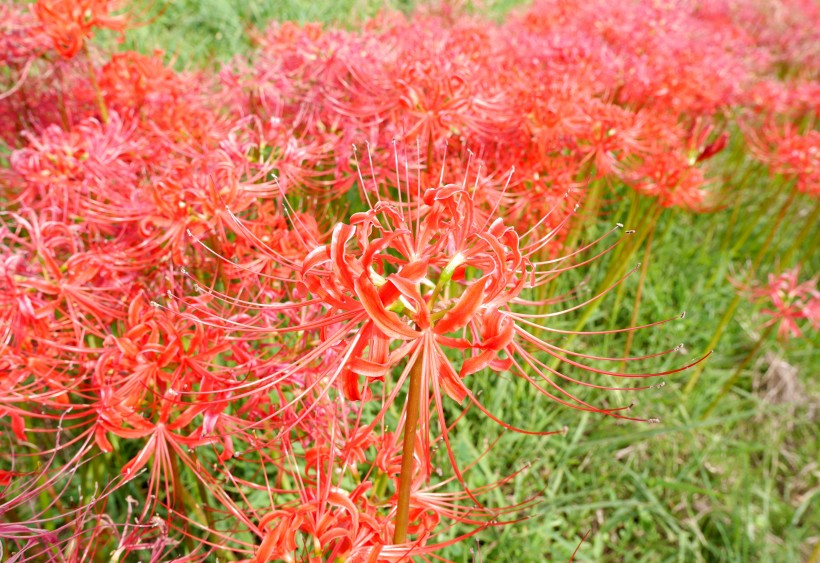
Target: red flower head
(790, 153)
(21, 37)
(425, 287)
(70, 22)
(790, 302)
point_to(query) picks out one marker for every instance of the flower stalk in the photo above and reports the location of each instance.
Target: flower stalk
(407, 451)
(730, 310)
(809, 225)
(92, 76)
(727, 386)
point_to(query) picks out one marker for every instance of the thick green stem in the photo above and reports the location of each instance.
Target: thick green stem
(814, 557)
(624, 253)
(181, 496)
(720, 268)
(588, 214)
(808, 251)
(730, 311)
(736, 374)
(411, 419)
(729, 232)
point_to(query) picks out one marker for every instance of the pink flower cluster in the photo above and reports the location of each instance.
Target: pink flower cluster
(789, 302)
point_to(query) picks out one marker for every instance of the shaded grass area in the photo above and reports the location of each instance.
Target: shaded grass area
(743, 484)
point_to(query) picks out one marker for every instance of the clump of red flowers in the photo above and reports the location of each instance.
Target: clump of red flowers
(227, 333)
(789, 302)
(70, 23)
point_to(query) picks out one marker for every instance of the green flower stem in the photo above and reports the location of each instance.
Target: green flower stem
(588, 213)
(809, 225)
(730, 310)
(446, 276)
(761, 211)
(737, 373)
(809, 250)
(380, 485)
(624, 252)
(815, 553)
(182, 496)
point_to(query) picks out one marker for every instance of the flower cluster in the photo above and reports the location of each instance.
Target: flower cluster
(225, 332)
(788, 302)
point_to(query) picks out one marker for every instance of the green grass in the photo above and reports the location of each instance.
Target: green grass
(741, 485)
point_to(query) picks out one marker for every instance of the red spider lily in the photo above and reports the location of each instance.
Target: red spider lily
(395, 272)
(700, 148)
(131, 79)
(789, 302)
(160, 102)
(790, 153)
(795, 99)
(432, 282)
(562, 90)
(65, 170)
(784, 30)
(20, 36)
(333, 520)
(627, 50)
(673, 180)
(70, 22)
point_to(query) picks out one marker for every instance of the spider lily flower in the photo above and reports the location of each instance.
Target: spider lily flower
(70, 23)
(421, 276)
(698, 145)
(790, 153)
(21, 37)
(789, 302)
(426, 288)
(673, 180)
